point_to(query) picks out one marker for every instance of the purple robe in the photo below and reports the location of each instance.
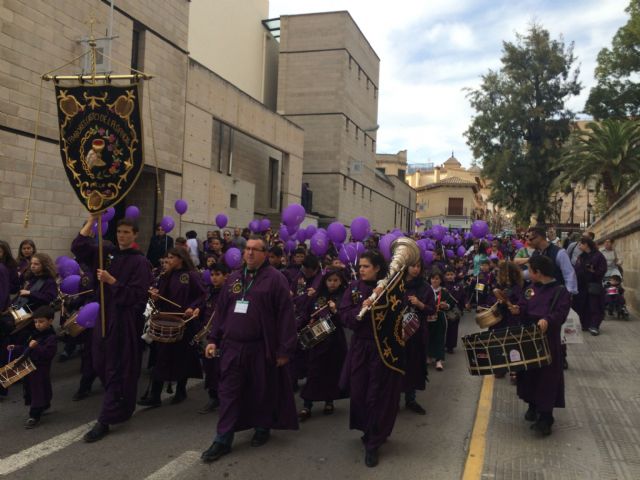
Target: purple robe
(588, 306)
(37, 385)
(44, 295)
(456, 289)
(374, 388)
(180, 360)
(515, 294)
(117, 356)
(253, 391)
(416, 346)
(5, 287)
(326, 359)
(210, 366)
(301, 301)
(544, 387)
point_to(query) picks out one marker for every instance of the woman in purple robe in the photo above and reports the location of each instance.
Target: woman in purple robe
(116, 351)
(26, 250)
(548, 304)
(326, 359)
(415, 377)
(176, 362)
(591, 267)
(373, 387)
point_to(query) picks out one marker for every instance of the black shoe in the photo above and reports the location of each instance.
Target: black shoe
(80, 395)
(98, 432)
(371, 458)
(31, 422)
(543, 426)
(179, 397)
(531, 415)
(415, 407)
(214, 452)
(149, 402)
(594, 331)
(260, 438)
(211, 406)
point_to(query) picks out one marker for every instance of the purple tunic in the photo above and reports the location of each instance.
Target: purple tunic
(544, 387)
(37, 385)
(326, 359)
(179, 360)
(590, 307)
(416, 347)
(374, 389)
(117, 356)
(253, 391)
(456, 289)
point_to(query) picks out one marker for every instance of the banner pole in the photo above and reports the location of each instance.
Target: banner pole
(101, 267)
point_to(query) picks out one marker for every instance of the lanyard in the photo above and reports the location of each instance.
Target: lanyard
(246, 289)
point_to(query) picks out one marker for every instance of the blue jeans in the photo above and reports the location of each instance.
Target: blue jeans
(227, 438)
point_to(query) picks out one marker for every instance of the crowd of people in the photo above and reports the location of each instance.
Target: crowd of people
(250, 319)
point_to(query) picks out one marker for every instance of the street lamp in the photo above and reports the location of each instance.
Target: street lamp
(574, 185)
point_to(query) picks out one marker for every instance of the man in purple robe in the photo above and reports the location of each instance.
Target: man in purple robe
(116, 351)
(255, 331)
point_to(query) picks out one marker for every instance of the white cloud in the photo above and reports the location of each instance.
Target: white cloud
(430, 50)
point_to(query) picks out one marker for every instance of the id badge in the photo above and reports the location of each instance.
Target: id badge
(241, 306)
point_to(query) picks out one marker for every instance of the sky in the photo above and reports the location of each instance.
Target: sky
(432, 50)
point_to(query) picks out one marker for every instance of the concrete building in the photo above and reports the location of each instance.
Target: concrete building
(328, 77)
(214, 141)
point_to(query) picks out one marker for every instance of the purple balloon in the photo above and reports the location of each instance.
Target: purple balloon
(450, 254)
(254, 226)
(292, 229)
(105, 227)
(301, 235)
(206, 277)
(479, 229)
(61, 259)
(438, 232)
(233, 258)
(384, 245)
(494, 257)
(68, 267)
(132, 212)
(337, 232)
(88, 315)
(427, 256)
(518, 244)
(319, 244)
(360, 228)
(348, 254)
(290, 246)
(311, 230)
(284, 233)
(360, 248)
(265, 224)
(181, 206)
(489, 237)
(167, 223)
(108, 214)
(293, 215)
(70, 285)
(461, 251)
(448, 240)
(221, 220)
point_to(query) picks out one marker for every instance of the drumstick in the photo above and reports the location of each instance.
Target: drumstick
(318, 311)
(171, 313)
(190, 318)
(76, 294)
(165, 299)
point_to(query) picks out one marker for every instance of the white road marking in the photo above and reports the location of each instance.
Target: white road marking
(176, 467)
(41, 450)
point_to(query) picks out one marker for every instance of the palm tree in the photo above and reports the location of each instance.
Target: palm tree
(607, 150)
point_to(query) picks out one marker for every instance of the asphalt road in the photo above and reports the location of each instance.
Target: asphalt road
(166, 442)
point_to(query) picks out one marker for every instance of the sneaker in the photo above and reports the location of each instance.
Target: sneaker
(439, 365)
(31, 422)
(594, 331)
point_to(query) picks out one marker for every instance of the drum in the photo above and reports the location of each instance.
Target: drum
(316, 332)
(22, 316)
(489, 317)
(165, 328)
(510, 349)
(612, 290)
(15, 370)
(71, 326)
(200, 338)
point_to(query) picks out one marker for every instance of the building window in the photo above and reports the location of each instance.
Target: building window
(233, 201)
(137, 46)
(401, 174)
(354, 187)
(273, 182)
(362, 193)
(382, 170)
(455, 206)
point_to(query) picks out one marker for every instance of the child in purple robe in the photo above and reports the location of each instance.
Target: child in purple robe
(456, 288)
(483, 285)
(437, 322)
(547, 306)
(40, 348)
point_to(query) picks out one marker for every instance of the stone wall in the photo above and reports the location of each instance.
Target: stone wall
(622, 223)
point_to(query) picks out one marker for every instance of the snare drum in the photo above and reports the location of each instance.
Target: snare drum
(488, 318)
(71, 326)
(22, 316)
(165, 328)
(612, 290)
(510, 349)
(316, 332)
(15, 370)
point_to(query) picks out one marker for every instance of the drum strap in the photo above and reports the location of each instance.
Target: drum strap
(556, 296)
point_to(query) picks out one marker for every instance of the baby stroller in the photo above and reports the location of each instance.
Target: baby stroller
(614, 298)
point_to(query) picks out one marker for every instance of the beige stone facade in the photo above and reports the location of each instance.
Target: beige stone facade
(328, 77)
(215, 145)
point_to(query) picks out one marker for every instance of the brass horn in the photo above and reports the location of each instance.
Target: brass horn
(404, 252)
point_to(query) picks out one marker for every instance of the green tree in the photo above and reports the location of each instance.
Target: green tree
(609, 151)
(616, 94)
(521, 121)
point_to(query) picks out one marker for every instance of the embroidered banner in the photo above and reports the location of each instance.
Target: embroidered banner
(386, 316)
(100, 141)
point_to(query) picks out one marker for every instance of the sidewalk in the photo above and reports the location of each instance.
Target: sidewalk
(596, 437)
